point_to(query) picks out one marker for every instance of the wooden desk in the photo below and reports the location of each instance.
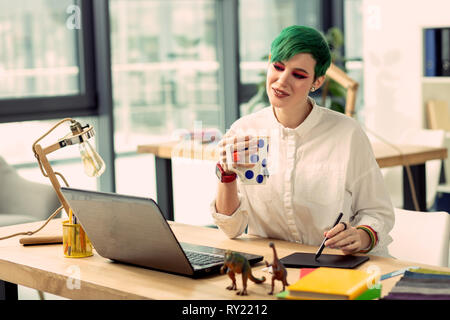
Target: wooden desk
(415, 157)
(45, 268)
(386, 156)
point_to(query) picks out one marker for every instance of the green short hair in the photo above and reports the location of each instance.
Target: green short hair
(301, 39)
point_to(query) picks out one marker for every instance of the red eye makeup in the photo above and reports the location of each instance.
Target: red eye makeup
(297, 73)
(300, 75)
(278, 66)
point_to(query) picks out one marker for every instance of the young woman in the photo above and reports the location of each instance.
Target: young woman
(322, 162)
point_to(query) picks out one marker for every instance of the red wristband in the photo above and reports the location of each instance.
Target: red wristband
(223, 176)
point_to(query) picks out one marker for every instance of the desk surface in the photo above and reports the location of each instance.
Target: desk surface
(45, 268)
(388, 156)
(385, 155)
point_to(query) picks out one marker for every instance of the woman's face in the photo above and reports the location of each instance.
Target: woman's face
(289, 82)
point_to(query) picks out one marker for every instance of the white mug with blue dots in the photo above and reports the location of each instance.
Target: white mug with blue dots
(253, 171)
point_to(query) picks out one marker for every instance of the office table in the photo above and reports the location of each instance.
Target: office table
(45, 268)
(386, 156)
(415, 157)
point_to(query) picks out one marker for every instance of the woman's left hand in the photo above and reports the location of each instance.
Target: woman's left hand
(347, 238)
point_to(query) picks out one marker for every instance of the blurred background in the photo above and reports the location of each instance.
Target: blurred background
(172, 62)
(141, 70)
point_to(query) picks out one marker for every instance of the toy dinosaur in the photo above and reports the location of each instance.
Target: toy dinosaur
(278, 270)
(237, 263)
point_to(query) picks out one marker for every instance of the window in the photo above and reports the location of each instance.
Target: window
(353, 49)
(39, 57)
(165, 68)
(260, 21)
(44, 58)
(165, 74)
(46, 72)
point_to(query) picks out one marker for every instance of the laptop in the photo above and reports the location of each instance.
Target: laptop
(133, 230)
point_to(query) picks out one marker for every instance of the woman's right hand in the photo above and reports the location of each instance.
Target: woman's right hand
(235, 150)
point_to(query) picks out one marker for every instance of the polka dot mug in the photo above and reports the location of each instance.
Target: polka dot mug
(255, 171)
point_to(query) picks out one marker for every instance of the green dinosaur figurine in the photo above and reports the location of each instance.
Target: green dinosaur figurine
(237, 263)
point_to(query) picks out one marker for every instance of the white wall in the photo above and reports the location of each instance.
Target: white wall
(392, 52)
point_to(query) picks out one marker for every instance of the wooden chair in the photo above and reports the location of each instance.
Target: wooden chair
(339, 75)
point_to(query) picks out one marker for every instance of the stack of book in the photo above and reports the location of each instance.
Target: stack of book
(421, 284)
(334, 284)
(437, 52)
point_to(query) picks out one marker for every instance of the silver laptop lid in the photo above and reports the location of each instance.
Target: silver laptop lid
(128, 229)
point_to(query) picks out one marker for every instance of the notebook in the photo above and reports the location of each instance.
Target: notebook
(369, 294)
(333, 283)
(133, 230)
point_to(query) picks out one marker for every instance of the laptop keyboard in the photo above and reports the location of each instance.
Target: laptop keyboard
(203, 259)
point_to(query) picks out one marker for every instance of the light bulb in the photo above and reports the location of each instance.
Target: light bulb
(92, 162)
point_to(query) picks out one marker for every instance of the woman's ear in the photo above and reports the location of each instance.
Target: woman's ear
(318, 82)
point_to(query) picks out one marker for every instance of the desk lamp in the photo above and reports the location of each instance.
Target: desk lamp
(76, 244)
(75, 241)
(93, 163)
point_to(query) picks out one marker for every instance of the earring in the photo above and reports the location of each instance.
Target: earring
(313, 89)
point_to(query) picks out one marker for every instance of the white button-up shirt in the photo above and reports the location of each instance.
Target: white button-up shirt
(324, 166)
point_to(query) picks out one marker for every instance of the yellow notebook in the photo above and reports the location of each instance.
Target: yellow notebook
(333, 283)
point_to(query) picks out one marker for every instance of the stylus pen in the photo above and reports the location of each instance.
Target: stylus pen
(322, 246)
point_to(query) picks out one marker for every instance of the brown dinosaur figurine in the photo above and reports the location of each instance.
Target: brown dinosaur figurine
(278, 270)
(237, 263)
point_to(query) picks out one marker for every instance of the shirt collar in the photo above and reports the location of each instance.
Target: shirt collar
(311, 120)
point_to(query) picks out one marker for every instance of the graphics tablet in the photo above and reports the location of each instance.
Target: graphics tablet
(307, 260)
